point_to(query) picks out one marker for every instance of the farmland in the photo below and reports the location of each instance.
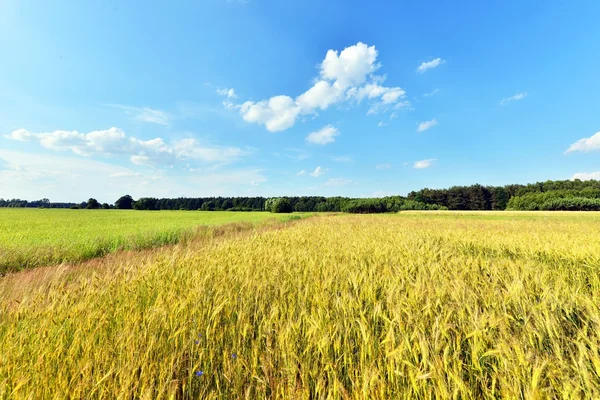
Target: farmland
(36, 237)
(408, 305)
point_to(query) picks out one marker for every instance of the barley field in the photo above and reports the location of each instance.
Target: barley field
(36, 237)
(411, 305)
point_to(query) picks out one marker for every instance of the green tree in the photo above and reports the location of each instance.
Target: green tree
(124, 203)
(92, 204)
(281, 205)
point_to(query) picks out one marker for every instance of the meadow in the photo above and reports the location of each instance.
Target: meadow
(409, 305)
(36, 237)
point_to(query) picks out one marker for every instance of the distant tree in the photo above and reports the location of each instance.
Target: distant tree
(124, 203)
(105, 206)
(92, 204)
(281, 205)
(208, 206)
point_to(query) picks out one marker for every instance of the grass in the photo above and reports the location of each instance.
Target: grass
(473, 306)
(36, 237)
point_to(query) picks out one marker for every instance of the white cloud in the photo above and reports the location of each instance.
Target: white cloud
(113, 142)
(317, 172)
(344, 76)
(350, 67)
(277, 114)
(125, 175)
(68, 178)
(296, 154)
(586, 144)
(323, 136)
(423, 126)
(587, 176)
(432, 93)
(343, 159)
(338, 182)
(430, 64)
(516, 97)
(381, 124)
(424, 163)
(229, 93)
(321, 95)
(383, 166)
(301, 173)
(145, 114)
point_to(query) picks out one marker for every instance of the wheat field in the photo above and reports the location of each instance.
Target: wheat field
(32, 238)
(411, 305)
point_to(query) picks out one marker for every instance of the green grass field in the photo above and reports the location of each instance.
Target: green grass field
(412, 305)
(37, 237)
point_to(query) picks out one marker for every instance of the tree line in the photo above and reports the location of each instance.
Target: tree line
(549, 195)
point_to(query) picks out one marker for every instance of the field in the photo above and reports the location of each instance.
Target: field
(409, 305)
(36, 237)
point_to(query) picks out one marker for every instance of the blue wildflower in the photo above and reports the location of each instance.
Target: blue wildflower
(199, 373)
(234, 356)
(197, 341)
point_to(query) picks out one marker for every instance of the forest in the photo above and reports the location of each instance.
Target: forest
(565, 195)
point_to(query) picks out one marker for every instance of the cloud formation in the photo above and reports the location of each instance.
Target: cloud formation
(587, 176)
(346, 76)
(145, 114)
(317, 172)
(586, 144)
(323, 136)
(424, 163)
(430, 65)
(229, 93)
(383, 166)
(114, 142)
(516, 97)
(423, 126)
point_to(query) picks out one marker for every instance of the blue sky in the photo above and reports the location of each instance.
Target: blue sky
(245, 98)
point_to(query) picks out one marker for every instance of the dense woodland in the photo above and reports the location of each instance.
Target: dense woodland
(550, 195)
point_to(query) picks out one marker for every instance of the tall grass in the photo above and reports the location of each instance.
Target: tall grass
(356, 307)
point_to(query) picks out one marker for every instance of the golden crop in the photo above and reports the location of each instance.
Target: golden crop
(446, 305)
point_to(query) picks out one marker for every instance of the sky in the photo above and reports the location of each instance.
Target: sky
(279, 98)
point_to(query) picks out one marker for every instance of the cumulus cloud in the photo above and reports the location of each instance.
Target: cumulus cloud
(277, 114)
(323, 136)
(317, 172)
(430, 64)
(346, 76)
(381, 124)
(114, 142)
(423, 126)
(301, 173)
(516, 97)
(587, 176)
(586, 144)
(424, 163)
(338, 182)
(229, 93)
(383, 166)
